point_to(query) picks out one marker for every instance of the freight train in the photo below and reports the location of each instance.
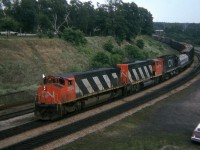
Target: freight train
(62, 94)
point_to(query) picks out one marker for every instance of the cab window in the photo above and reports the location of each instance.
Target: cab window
(62, 81)
(48, 80)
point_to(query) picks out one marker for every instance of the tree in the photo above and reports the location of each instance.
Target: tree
(44, 24)
(146, 21)
(56, 12)
(123, 21)
(131, 15)
(82, 16)
(8, 24)
(25, 12)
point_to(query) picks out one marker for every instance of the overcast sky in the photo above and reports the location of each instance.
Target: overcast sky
(183, 11)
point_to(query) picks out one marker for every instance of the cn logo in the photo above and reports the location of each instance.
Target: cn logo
(47, 94)
(170, 63)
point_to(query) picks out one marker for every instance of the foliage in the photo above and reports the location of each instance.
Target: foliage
(118, 51)
(116, 59)
(26, 15)
(186, 32)
(50, 34)
(74, 36)
(124, 21)
(108, 46)
(133, 52)
(100, 60)
(146, 22)
(140, 44)
(40, 34)
(8, 24)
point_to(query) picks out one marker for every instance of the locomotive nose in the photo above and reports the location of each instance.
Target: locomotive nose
(49, 94)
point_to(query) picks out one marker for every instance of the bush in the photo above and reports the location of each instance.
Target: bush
(118, 51)
(40, 35)
(101, 59)
(140, 44)
(50, 34)
(116, 59)
(108, 46)
(74, 36)
(133, 53)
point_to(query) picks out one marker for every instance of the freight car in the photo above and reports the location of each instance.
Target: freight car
(62, 94)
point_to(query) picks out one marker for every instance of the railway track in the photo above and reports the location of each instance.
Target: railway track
(15, 114)
(16, 111)
(83, 123)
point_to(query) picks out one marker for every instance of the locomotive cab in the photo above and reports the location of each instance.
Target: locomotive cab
(52, 94)
(64, 89)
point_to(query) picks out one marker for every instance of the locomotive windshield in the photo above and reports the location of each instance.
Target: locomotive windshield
(50, 80)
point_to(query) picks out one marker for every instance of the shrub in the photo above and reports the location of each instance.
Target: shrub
(108, 46)
(40, 34)
(140, 44)
(116, 59)
(118, 51)
(74, 36)
(101, 59)
(50, 34)
(133, 52)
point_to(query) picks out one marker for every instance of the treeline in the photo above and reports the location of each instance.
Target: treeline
(187, 32)
(116, 18)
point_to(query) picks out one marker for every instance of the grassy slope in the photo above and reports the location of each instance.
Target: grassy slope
(24, 60)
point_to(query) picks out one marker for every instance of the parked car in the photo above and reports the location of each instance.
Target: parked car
(196, 134)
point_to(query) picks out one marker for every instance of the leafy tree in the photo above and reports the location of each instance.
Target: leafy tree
(8, 24)
(146, 21)
(28, 15)
(82, 16)
(44, 23)
(6, 7)
(56, 12)
(123, 21)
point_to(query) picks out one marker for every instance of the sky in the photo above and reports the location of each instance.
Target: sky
(179, 11)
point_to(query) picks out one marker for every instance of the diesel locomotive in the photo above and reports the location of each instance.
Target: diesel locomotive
(62, 94)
